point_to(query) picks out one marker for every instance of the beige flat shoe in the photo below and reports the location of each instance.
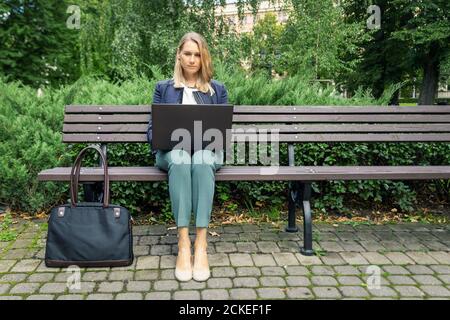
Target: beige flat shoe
(201, 273)
(184, 274)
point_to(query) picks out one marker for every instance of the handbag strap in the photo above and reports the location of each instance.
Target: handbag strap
(75, 175)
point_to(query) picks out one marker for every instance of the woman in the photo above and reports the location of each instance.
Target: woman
(191, 178)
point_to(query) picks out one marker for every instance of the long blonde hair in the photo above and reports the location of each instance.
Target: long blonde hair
(206, 70)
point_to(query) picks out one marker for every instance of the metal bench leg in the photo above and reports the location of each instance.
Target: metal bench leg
(305, 196)
(93, 191)
(292, 203)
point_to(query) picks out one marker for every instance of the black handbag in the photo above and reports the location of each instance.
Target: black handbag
(89, 234)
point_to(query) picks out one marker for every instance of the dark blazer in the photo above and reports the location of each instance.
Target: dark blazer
(165, 92)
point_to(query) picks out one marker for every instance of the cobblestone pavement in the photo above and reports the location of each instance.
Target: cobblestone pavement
(247, 262)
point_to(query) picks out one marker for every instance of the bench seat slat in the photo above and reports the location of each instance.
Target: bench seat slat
(285, 128)
(271, 118)
(268, 109)
(256, 173)
(298, 138)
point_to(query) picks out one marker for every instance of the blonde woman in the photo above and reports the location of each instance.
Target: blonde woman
(191, 178)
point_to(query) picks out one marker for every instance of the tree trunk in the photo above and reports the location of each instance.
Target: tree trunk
(430, 76)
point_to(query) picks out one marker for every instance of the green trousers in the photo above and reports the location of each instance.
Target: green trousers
(191, 183)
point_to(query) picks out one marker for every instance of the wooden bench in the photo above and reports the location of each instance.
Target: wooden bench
(128, 124)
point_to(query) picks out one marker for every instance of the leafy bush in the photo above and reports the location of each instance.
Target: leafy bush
(31, 128)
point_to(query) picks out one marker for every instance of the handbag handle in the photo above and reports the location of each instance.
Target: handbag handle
(75, 176)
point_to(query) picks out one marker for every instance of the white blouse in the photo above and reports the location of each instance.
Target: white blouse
(188, 95)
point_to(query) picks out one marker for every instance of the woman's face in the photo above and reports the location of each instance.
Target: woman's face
(190, 58)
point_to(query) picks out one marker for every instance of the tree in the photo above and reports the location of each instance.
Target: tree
(318, 40)
(428, 31)
(37, 46)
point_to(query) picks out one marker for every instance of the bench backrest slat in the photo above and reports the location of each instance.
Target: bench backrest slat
(295, 123)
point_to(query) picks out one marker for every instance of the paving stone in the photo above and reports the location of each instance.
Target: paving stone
(215, 294)
(292, 246)
(121, 275)
(268, 236)
(418, 269)
(384, 291)
(247, 247)
(285, 259)
(14, 277)
(157, 296)
(241, 260)
(399, 258)
(223, 272)
(322, 270)
(272, 281)
(445, 278)
(273, 271)
(248, 271)
(218, 260)
(271, 293)
(41, 297)
(353, 258)
(351, 246)
(243, 294)
(401, 280)
(245, 282)
(324, 281)
(186, 295)
(166, 285)
(138, 286)
(347, 270)
(11, 298)
(372, 245)
(297, 270)
(376, 258)
(436, 291)
(395, 270)
(115, 286)
(168, 274)
(100, 296)
(71, 297)
(262, 260)
(26, 265)
(4, 287)
(308, 260)
(157, 230)
(409, 291)
(15, 254)
(427, 280)
(84, 287)
(332, 258)
(129, 296)
(331, 246)
(326, 292)
(365, 236)
(192, 285)
(414, 245)
(40, 277)
(168, 262)
(146, 275)
(298, 281)
(440, 256)
(147, 262)
(160, 250)
(95, 276)
(393, 245)
(350, 280)
(219, 283)
(421, 257)
(43, 268)
(141, 250)
(24, 288)
(299, 293)
(148, 240)
(225, 247)
(354, 291)
(267, 246)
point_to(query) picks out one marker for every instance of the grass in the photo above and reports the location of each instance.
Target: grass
(6, 232)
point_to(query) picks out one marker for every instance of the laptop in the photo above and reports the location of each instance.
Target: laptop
(191, 127)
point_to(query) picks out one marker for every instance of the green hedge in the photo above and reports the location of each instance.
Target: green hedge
(31, 141)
